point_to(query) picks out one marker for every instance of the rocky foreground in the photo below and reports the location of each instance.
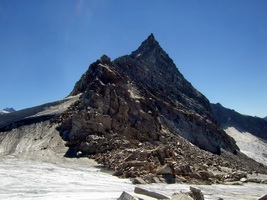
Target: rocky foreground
(144, 194)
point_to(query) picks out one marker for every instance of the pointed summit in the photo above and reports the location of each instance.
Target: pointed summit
(148, 48)
(151, 39)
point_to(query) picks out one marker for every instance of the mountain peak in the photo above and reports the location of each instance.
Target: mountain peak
(151, 38)
(148, 47)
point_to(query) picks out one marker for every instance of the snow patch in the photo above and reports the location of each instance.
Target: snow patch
(249, 144)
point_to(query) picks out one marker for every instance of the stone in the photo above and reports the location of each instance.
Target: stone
(165, 169)
(264, 197)
(254, 180)
(138, 155)
(153, 194)
(169, 178)
(244, 180)
(127, 196)
(195, 175)
(138, 180)
(196, 193)
(205, 175)
(156, 180)
(183, 170)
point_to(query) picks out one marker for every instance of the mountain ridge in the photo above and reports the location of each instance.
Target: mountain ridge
(245, 123)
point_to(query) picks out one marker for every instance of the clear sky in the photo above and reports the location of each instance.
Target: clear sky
(220, 46)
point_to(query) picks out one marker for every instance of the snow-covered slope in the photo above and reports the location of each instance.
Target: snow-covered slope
(39, 140)
(252, 146)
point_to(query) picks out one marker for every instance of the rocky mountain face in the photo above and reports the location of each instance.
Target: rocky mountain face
(142, 94)
(230, 118)
(140, 117)
(265, 118)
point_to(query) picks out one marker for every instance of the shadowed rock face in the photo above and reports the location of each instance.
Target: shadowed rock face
(138, 97)
(230, 118)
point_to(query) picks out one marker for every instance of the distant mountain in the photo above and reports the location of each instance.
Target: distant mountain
(244, 123)
(265, 118)
(7, 110)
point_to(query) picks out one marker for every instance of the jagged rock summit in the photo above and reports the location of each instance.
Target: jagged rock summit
(145, 94)
(138, 115)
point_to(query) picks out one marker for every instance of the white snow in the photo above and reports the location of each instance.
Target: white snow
(249, 144)
(32, 166)
(78, 179)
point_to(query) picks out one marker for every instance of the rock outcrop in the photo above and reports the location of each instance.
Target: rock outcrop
(140, 117)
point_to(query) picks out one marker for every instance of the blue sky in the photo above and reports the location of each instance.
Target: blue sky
(220, 46)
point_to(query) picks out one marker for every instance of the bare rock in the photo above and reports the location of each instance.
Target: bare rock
(153, 194)
(205, 175)
(196, 193)
(138, 180)
(165, 169)
(264, 197)
(127, 196)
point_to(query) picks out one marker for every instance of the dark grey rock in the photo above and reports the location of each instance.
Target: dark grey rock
(149, 193)
(230, 118)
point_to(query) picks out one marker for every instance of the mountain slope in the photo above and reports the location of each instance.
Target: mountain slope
(249, 144)
(230, 118)
(249, 132)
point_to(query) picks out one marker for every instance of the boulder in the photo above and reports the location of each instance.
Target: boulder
(264, 197)
(196, 193)
(244, 180)
(153, 194)
(127, 196)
